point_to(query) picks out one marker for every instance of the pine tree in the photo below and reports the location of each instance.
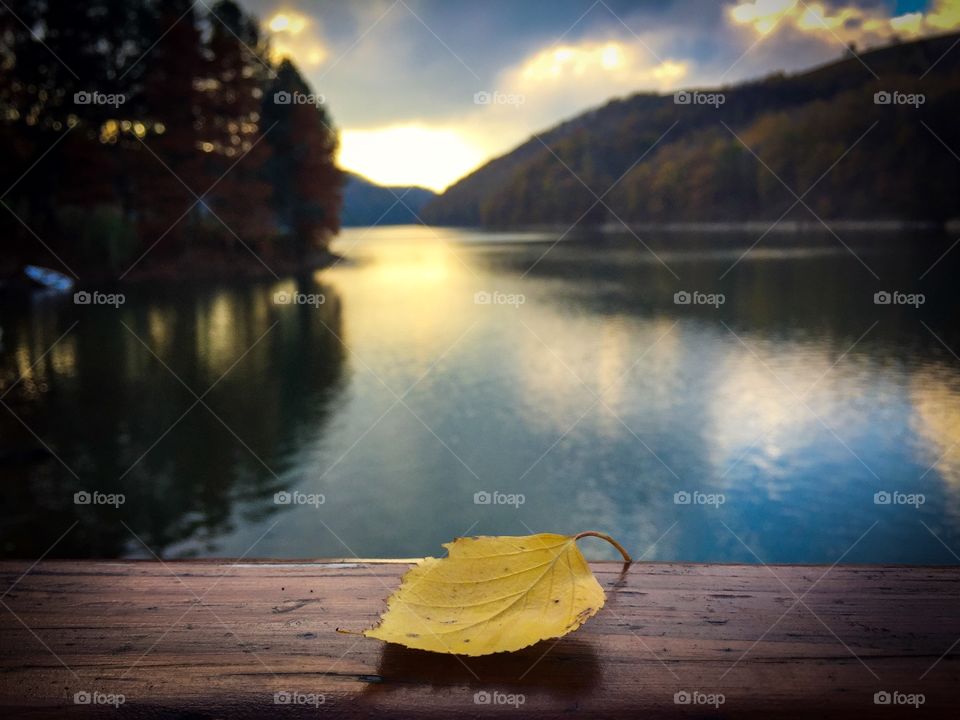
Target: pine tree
(171, 102)
(302, 168)
(232, 129)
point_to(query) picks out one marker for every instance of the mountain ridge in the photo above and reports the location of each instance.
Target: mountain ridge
(702, 171)
(366, 203)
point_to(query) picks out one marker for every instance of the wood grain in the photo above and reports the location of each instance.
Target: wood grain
(206, 639)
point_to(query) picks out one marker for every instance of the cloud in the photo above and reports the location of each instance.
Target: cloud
(848, 23)
(559, 81)
(410, 71)
(563, 79)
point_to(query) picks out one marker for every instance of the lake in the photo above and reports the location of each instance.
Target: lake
(444, 382)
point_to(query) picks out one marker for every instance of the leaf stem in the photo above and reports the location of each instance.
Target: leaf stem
(604, 536)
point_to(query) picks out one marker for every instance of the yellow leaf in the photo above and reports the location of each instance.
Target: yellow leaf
(493, 594)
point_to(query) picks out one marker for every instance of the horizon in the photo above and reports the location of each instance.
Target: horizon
(469, 97)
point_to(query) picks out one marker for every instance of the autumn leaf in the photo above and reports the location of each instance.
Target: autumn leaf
(494, 594)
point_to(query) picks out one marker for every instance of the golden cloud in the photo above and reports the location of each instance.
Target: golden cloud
(848, 23)
(610, 64)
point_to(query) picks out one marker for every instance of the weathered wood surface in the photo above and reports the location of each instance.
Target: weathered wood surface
(212, 639)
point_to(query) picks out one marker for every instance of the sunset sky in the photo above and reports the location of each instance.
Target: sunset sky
(401, 77)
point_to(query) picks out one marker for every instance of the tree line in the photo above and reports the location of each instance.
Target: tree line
(146, 136)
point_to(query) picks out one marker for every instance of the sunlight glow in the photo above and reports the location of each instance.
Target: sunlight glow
(945, 15)
(410, 155)
(935, 391)
(762, 14)
(594, 62)
(909, 24)
(287, 22)
(420, 273)
(290, 41)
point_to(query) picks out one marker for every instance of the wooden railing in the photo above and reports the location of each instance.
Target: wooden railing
(259, 639)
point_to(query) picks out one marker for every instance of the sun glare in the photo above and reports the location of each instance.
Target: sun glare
(287, 23)
(409, 155)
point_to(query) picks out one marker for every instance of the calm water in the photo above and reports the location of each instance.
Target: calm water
(596, 398)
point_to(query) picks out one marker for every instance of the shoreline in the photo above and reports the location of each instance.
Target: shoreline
(784, 227)
(206, 267)
(182, 270)
(241, 268)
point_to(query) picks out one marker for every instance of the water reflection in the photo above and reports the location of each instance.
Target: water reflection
(597, 397)
(936, 421)
(116, 400)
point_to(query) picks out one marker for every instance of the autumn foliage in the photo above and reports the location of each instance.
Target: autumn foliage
(190, 165)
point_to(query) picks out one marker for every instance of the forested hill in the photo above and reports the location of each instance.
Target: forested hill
(366, 203)
(798, 125)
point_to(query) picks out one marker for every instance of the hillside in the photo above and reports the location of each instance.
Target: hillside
(365, 203)
(799, 125)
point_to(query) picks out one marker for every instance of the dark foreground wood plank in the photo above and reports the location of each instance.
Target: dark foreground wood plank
(215, 639)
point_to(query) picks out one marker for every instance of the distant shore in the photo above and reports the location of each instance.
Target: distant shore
(785, 227)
